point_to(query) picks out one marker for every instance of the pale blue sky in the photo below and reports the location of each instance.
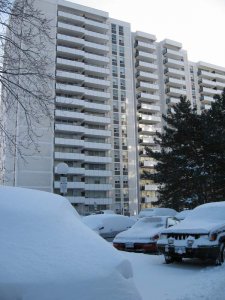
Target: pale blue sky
(198, 24)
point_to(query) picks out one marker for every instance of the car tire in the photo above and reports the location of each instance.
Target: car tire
(221, 256)
(168, 259)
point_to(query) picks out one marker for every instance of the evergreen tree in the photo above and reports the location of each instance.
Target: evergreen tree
(191, 162)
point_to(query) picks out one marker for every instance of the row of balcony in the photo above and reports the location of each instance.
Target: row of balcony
(145, 66)
(146, 141)
(82, 144)
(209, 91)
(82, 21)
(88, 173)
(82, 91)
(82, 157)
(69, 76)
(211, 83)
(149, 187)
(211, 75)
(89, 201)
(82, 104)
(71, 41)
(66, 28)
(85, 186)
(72, 129)
(70, 64)
(148, 164)
(149, 199)
(174, 72)
(81, 54)
(169, 62)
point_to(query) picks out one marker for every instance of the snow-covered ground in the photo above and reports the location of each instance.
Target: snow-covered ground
(190, 280)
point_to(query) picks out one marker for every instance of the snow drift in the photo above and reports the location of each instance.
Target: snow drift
(47, 253)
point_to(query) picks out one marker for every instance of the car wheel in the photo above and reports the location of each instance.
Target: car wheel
(221, 256)
(168, 259)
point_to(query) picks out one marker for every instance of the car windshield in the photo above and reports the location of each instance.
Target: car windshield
(150, 222)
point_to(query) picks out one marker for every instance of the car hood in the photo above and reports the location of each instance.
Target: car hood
(194, 227)
(137, 233)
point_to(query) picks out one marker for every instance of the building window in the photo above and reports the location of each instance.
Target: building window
(121, 32)
(113, 28)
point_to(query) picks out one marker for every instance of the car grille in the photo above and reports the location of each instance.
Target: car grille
(182, 236)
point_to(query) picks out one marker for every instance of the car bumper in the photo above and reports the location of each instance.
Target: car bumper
(136, 247)
(202, 252)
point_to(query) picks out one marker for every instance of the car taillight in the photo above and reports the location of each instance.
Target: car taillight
(213, 237)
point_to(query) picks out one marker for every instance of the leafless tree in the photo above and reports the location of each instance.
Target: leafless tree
(26, 76)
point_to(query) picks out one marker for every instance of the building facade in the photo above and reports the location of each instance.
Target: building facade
(111, 88)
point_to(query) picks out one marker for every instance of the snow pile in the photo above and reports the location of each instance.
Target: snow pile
(47, 253)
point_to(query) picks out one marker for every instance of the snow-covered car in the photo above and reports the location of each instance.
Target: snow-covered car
(108, 225)
(200, 235)
(157, 211)
(182, 214)
(143, 235)
(46, 252)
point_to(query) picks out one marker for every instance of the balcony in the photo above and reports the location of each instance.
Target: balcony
(70, 63)
(98, 95)
(69, 142)
(150, 187)
(69, 156)
(70, 41)
(64, 28)
(99, 201)
(205, 106)
(70, 76)
(149, 119)
(71, 17)
(71, 102)
(70, 52)
(175, 92)
(91, 106)
(96, 37)
(98, 187)
(150, 199)
(94, 58)
(148, 129)
(76, 200)
(206, 99)
(147, 86)
(98, 159)
(144, 66)
(144, 56)
(172, 101)
(92, 119)
(174, 72)
(70, 185)
(148, 164)
(175, 82)
(148, 97)
(97, 146)
(66, 128)
(173, 54)
(148, 107)
(69, 88)
(97, 132)
(206, 82)
(146, 76)
(96, 48)
(97, 26)
(169, 62)
(98, 83)
(147, 47)
(208, 91)
(98, 173)
(147, 141)
(94, 70)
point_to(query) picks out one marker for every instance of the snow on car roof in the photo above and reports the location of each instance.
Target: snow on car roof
(48, 253)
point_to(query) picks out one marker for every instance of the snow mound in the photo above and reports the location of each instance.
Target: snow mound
(47, 253)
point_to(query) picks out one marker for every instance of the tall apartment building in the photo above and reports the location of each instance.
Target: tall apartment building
(111, 89)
